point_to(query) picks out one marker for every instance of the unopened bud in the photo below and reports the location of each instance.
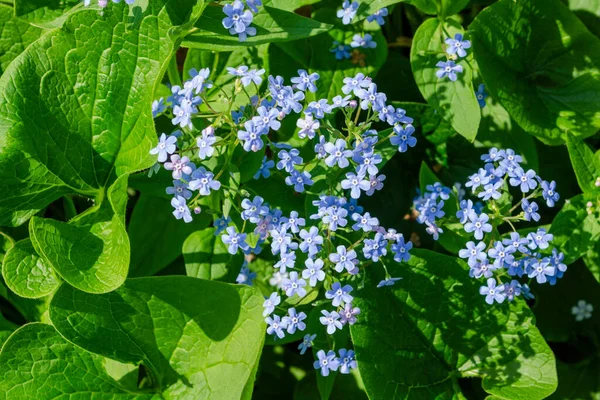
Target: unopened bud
(353, 104)
(197, 210)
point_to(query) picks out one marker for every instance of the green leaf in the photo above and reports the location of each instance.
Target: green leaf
(289, 5)
(32, 310)
(76, 105)
(542, 64)
(437, 328)
(26, 274)
(585, 162)
(91, 252)
(156, 241)
(592, 260)
(6, 329)
(15, 36)
(426, 177)
(455, 101)
(37, 363)
(45, 14)
(272, 25)
(197, 338)
(206, 256)
(576, 230)
(443, 8)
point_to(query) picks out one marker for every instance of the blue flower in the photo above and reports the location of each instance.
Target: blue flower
(438, 190)
(539, 239)
(205, 143)
(326, 362)
(267, 118)
(239, 71)
(541, 270)
(372, 97)
(493, 155)
(198, 83)
(526, 292)
(449, 69)
(251, 136)
(237, 115)
(331, 320)
(343, 259)
(375, 248)
(264, 169)
(340, 102)
(275, 326)
(245, 277)
(367, 163)
(281, 240)
(376, 183)
(294, 285)
(403, 137)
(524, 179)
(516, 243)
(337, 154)
(491, 191)
(320, 148)
(254, 209)
(203, 181)
(181, 209)
(253, 4)
(481, 95)
(166, 146)
(318, 109)
(347, 359)
(306, 81)
(293, 223)
(238, 20)
(483, 268)
(220, 224)
(549, 193)
(335, 218)
(431, 210)
(311, 241)
(355, 183)
(478, 179)
(234, 240)
(378, 16)
(314, 271)
(492, 292)
(287, 160)
(342, 51)
(457, 45)
(478, 224)
(287, 260)
(530, 209)
(308, 127)
(298, 180)
(349, 313)
(502, 256)
(388, 282)
(401, 250)
(366, 41)
(348, 11)
(513, 289)
(179, 189)
(474, 252)
(306, 343)
(364, 222)
(158, 107)
(294, 320)
(466, 206)
(270, 303)
(356, 84)
(253, 76)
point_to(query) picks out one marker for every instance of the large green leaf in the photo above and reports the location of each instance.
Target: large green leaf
(26, 273)
(197, 338)
(156, 242)
(585, 162)
(575, 229)
(36, 363)
(272, 25)
(206, 256)
(436, 328)
(542, 64)
(75, 107)
(15, 36)
(6, 328)
(455, 101)
(91, 252)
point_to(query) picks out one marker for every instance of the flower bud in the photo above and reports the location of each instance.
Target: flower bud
(353, 104)
(197, 210)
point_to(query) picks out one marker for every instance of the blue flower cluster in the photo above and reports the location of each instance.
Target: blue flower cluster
(454, 48)
(323, 252)
(514, 256)
(365, 40)
(238, 19)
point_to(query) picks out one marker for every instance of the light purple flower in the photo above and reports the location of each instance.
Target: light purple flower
(331, 320)
(181, 209)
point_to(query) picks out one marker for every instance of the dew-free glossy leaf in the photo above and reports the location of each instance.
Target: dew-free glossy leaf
(455, 101)
(542, 64)
(437, 327)
(26, 273)
(91, 252)
(15, 36)
(36, 363)
(272, 25)
(206, 256)
(76, 105)
(585, 162)
(198, 338)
